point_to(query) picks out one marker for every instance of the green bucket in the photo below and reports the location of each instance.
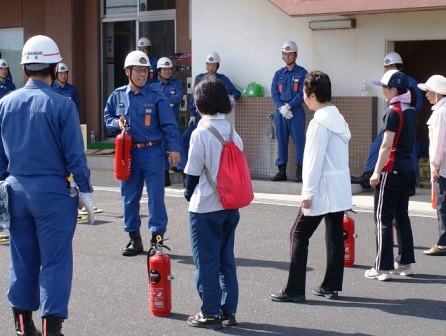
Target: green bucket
(254, 90)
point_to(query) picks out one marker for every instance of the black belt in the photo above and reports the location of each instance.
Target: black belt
(144, 144)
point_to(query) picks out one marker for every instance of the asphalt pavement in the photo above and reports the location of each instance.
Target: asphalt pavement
(110, 292)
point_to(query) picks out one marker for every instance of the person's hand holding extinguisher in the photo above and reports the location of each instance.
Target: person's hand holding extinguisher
(121, 122)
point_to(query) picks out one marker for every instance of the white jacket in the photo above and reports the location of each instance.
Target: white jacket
(325, 171)
(437, 138)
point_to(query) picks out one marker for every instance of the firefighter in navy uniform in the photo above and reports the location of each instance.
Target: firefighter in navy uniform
(212, 66)
(151, 121)
(145, 46)
(61, 84)
(287, 94)
(173, 90)
(6, 84)
(42, 126)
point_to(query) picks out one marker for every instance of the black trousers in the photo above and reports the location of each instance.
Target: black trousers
(392, 200)
(301, 232)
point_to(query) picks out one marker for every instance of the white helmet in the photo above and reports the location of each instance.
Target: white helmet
(39, 51)
(392, 58)
(62, 67)
(3, 63)
(289, 46)
(144, 42)
(137, 58)
(213, 57)
(164, 62)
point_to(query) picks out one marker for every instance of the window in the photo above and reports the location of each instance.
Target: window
(11, 44)
(132, 6)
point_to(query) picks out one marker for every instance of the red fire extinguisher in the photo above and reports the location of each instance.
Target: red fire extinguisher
(123, 156)
(160, 290)
(349, 239)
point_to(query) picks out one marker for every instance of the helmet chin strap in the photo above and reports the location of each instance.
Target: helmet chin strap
(130, 77)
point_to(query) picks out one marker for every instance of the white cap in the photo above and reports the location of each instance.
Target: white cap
(62, 67)
(435, 83)
(392, 58)
(3, 63)
(40, 51)
(164, 62)
(289, 46)
(213, 57)
(137, 58)
(144, 42)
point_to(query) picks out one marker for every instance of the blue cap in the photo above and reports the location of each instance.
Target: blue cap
(394, 78)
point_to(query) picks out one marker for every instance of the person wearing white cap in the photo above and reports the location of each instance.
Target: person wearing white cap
(435, 88)
(394, 178)
(392, 61)
(61, 84)
(152, 124)
(212, 65)
(6, 84)
(287, 95)
(145, 45)
(42, 126)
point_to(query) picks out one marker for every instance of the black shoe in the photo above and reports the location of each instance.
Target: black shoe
(51, 325)
(332, 295)
(167, 182)
(284, 297)
(176, 170)
(135, 246)
(228, 319)
(356, 180)
(24, 323)
(199, 321)
(298, 177)
(280, 176)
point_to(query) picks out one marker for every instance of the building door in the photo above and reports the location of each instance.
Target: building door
(125, 21)
(422, 59)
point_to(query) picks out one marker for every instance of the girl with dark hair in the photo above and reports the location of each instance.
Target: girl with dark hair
(212, 228)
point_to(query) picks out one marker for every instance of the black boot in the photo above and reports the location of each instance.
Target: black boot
(24, 324)
(167, 182)
(281, 175)
(298, 177)
(134, 246)
(51, 325)
(363, 180)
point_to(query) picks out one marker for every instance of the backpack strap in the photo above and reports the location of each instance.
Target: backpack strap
(217, 134)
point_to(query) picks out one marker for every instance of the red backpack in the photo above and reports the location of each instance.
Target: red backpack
(233, 178)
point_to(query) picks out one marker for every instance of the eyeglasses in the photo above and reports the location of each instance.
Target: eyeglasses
(390, 66)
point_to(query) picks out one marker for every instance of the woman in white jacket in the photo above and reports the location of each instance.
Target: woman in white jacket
(326, 193)
(435, 88)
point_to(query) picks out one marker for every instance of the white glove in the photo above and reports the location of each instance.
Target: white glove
(86, 201)
(285, 111)
(191, 121)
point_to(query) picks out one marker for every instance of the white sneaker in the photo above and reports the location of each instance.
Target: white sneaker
(403, 270)
(377, 275)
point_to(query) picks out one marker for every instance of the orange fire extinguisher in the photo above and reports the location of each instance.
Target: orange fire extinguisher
(160, 290)
(123, 156)
(433, 196)
(349, 239)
